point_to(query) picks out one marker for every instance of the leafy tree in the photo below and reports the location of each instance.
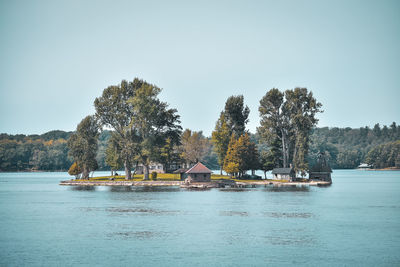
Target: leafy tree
(114, 110)
(232, 159)
(274, 123)
(302, 107)
(113, 156)
(267, 161)
(169, 154)
(288, 118)
(220, 139)
(194, 146)
(75, 170)
(83, 145)
(251, 155)
(236, 114)
(242, 156)
(154, 123)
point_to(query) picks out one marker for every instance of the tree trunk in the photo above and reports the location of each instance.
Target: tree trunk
(85, 173)
(265, 174)
(146, 171)
(284, 150)
(221, 170)
(127, 165)
(112, 172)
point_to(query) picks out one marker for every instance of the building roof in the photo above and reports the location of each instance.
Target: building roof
(282, 171)
(182, 170)
(199, 168)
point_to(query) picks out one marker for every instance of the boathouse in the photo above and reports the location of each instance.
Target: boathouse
(321, 170)
(283, 174)
(198, 173)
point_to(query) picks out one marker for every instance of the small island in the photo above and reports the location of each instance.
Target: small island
(199, 177)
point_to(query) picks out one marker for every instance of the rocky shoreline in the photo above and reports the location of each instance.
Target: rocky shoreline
(205, 185)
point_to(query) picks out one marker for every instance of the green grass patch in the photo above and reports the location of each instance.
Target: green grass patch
(160, 177)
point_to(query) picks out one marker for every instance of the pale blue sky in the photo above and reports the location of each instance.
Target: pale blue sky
(57, 56)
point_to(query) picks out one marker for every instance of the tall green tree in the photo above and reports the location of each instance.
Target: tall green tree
(154, 124)
(236, 114)
(220, 138)
(140, 120)
(302, 107)
(115, 111)
(288, 118)
(274, 125)
(267, 161)
(169, 154)
(242, 156)
(114, 158)
(83, 145)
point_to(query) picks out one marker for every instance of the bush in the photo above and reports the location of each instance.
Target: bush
(154, 176)
(75, 170)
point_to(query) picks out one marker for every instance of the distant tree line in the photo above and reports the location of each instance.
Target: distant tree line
(46, 152)
(346, 148)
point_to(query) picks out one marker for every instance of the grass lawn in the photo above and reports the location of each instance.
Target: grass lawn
(171, 177)
(160, 177)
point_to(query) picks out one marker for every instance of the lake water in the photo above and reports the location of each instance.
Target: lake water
(354, 222)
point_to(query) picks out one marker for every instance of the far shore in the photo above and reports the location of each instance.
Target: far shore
(385, 169)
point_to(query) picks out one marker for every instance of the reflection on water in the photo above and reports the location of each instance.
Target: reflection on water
(156, 188)
(287, 188)
(136, 235)
(288, 215)
(141, 211)
(295, 239)
(234, 213)
(121, 189)
(83, 188)
(233, 189)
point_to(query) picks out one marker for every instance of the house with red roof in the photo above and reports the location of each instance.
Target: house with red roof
(198, 173)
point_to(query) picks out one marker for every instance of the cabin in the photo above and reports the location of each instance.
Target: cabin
(198, 173)
(283, 174)
(158, 167)
(321, 170)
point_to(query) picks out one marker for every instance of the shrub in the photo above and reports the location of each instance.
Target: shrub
(154, 176)
(75, 170)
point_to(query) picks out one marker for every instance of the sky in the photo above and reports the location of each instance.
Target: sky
(57, 56)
